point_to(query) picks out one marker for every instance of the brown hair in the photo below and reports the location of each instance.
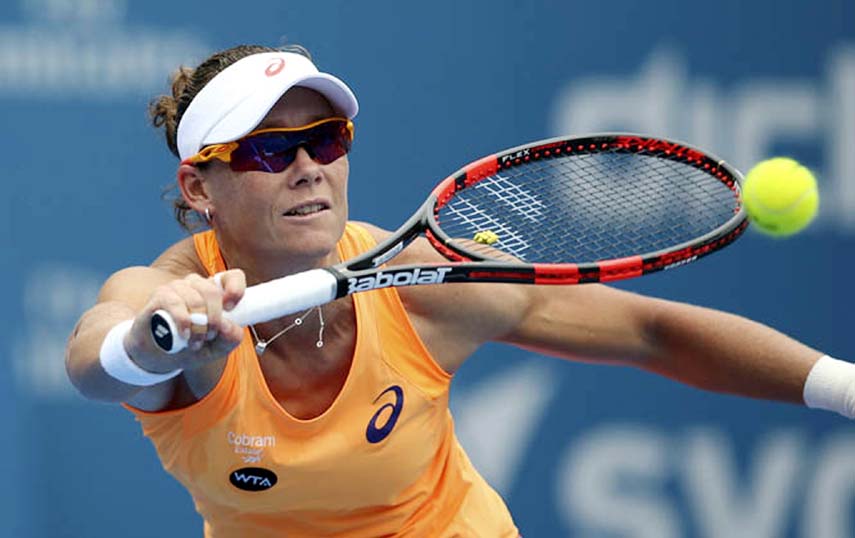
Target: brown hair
(165, 111)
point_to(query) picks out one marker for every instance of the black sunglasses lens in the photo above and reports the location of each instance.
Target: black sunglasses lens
(330, 143)
(263, 153)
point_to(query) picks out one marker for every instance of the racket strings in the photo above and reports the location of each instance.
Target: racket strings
(586, 208)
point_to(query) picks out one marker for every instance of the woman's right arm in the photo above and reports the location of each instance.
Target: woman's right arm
(134, 294)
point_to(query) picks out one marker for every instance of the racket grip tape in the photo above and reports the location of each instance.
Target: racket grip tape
(262, 302)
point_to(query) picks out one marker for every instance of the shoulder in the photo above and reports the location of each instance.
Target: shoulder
(134, 284)
(180, 259)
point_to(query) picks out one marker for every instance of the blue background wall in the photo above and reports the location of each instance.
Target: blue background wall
(577, 450)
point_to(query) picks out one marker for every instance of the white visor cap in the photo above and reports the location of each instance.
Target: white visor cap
(235, 101)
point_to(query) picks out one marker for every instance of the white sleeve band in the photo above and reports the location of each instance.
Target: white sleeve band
(118, 364)
(830, 385)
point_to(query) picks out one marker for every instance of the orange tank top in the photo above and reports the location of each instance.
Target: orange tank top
(382, 460)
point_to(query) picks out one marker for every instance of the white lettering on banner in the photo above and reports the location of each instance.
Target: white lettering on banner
(497, 433)
(613, 480)
(742, 125)
(80, 49)
(757, 506)
(830, 494)
(55, 296)
(842, 136)
(63, 11)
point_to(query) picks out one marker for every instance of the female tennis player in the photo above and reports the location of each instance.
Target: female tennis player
(334, 421)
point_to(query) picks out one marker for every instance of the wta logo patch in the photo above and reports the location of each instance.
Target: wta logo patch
(253, 479)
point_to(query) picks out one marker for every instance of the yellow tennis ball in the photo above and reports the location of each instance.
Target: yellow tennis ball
(780, 196)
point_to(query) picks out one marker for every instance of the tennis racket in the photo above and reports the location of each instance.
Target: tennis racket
(561, 211)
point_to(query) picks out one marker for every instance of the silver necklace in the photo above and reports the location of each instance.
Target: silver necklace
(261, 345)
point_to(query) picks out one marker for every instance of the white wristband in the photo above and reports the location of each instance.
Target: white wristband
(830, 385)
(118, 364)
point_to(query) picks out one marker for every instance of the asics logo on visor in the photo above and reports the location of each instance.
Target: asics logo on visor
(275, 67)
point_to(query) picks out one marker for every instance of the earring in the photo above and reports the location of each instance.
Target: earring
(208, 214)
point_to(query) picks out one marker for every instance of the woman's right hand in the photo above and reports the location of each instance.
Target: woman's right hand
(180, 298)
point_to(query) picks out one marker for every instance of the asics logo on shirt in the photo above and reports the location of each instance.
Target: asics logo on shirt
(375, 432)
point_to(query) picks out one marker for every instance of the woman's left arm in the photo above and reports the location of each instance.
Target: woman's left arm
(705, 348)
